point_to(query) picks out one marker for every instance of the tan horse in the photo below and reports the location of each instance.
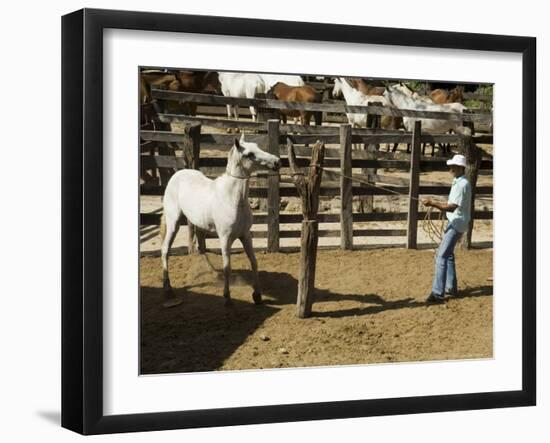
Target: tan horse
(154, 78)
(442, 96)
(303, 94)
(362, 86)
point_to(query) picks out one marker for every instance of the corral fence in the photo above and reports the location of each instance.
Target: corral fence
(160, 146)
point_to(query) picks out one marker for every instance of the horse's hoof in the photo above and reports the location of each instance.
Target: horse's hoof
(257, 297)
(228, 303)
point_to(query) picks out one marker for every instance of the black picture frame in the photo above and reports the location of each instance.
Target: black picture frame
(82, 218)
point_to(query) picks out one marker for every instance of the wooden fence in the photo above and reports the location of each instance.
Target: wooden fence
(160, 146)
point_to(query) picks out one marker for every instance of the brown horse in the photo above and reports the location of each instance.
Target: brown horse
(442, 96)
(362, 86)
(153, 78)
(199, 81)
(202, 82)
(303, 94)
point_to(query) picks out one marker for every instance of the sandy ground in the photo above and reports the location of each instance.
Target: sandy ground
(369, 309)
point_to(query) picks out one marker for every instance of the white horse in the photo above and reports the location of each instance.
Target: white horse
(244, 85)
(354, 97)
(337, 88)
(271, 80)
(219, 205)
(401, 100)
(402, 87)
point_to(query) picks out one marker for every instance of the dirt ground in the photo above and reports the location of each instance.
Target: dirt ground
(369, 308)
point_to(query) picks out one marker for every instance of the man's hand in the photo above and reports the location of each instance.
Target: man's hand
(442, 206)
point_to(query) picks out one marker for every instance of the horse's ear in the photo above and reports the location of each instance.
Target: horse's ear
(237, 144)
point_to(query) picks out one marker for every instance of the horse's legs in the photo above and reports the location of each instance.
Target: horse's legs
(226, 256)
(246, 240)
(168, 233)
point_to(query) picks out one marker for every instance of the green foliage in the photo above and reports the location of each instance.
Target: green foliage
(414, 85)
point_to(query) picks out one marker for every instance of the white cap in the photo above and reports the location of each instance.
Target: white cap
(458, 160)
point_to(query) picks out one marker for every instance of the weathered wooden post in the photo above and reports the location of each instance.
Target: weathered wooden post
(346, 194)
(164, 148)
(263, 113)
(326, 98)
(473, 156)
(412, 214)
(308, 188)
(273, 199)
(373, 122)
(191, 154)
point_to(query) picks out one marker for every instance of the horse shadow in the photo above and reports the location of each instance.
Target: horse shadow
(200, 334)
(195, 336)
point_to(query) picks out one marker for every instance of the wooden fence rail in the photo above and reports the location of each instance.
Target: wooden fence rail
(166, 161)
(161, 94)
(153, 219)
(360, 135)
(224, 123)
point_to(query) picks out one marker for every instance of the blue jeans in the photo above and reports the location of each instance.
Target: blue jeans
(445, 270)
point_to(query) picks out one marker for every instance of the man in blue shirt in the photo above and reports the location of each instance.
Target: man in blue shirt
(457, 209)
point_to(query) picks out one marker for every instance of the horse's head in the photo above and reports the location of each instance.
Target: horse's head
(403, 89)
(337, 91)
(272, 92)
(388, 92)
(249, 157)
(456, 95)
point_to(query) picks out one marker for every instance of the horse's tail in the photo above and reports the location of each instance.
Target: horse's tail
(162, 229)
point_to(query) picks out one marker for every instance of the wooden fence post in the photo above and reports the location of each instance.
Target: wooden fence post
(164, 148)
(265, 114)
(273, 179)
(373, 122)
(326, 97)
(412, 215)
(191, 153)
(473, 162)
(346, 195)
(308, 186)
